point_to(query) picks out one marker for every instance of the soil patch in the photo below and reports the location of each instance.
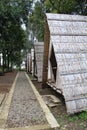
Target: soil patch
(6, 81)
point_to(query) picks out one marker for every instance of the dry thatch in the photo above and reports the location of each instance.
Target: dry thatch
(65, 54)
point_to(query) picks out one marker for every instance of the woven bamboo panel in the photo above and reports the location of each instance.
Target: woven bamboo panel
(71, 57)
(64, 17)
(39, 57)
(70, 47)
(74, 79)
(39, 48)
(67, 27)
(68, 36)
(72, 67)
(66, 24)
(76, 105)
(68, 31)
(76, 92)
(68, 39)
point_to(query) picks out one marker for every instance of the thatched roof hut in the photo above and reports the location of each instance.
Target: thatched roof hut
(39, 47)
(65, 58)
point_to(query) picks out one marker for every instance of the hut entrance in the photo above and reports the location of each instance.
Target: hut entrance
(53, 63)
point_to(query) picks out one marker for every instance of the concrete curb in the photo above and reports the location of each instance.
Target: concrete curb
(5, 111)
(36, 127)
(49, 116)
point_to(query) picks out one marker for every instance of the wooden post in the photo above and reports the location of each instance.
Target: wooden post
(27, 62)
(29, 65)
(46, 53)
(32, 56)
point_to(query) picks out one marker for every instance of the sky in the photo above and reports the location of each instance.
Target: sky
(23, 26)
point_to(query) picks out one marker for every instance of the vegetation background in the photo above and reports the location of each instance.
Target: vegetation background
(22, 21)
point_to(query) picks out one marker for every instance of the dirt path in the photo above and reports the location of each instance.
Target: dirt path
(24, 109)
(6, 81)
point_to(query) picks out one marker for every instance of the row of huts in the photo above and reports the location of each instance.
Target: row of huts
(35, 60)
(61, 61)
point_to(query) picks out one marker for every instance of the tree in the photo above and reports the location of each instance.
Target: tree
(60, 6)
(53, 6)
(37, 21)
(81, 7)
(66, 6)
(12, 36)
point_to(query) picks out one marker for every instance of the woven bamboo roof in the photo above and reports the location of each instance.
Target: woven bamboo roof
(39, 48)
(65, 17)
(68, 36)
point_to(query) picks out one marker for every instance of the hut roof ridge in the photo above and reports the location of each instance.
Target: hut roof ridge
(66, 17)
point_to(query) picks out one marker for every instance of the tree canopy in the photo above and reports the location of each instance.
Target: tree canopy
(37, 18)
(15, 13)
(12, 37)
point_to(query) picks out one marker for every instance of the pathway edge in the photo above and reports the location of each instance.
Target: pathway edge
(49, 116)
(5, 111)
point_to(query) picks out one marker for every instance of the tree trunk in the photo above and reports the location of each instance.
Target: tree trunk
(8, 62)
(3, 67)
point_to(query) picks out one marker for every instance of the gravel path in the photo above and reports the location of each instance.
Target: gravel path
(25, 109)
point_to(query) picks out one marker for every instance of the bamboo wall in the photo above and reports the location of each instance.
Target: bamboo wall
(39, 47)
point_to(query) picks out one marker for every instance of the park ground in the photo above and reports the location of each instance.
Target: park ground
(67, 122)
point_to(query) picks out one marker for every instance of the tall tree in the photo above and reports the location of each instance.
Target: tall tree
(81, 7)
(54, 6)
(60, 6)
(66, 6)
(37, 20)
(12, 37)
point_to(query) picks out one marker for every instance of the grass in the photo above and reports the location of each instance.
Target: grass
(80, 116)
(60, 121)
(78, 120)
(73, 118)
(83, 115)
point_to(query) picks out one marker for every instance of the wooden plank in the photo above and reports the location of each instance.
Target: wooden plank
(46, 52)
